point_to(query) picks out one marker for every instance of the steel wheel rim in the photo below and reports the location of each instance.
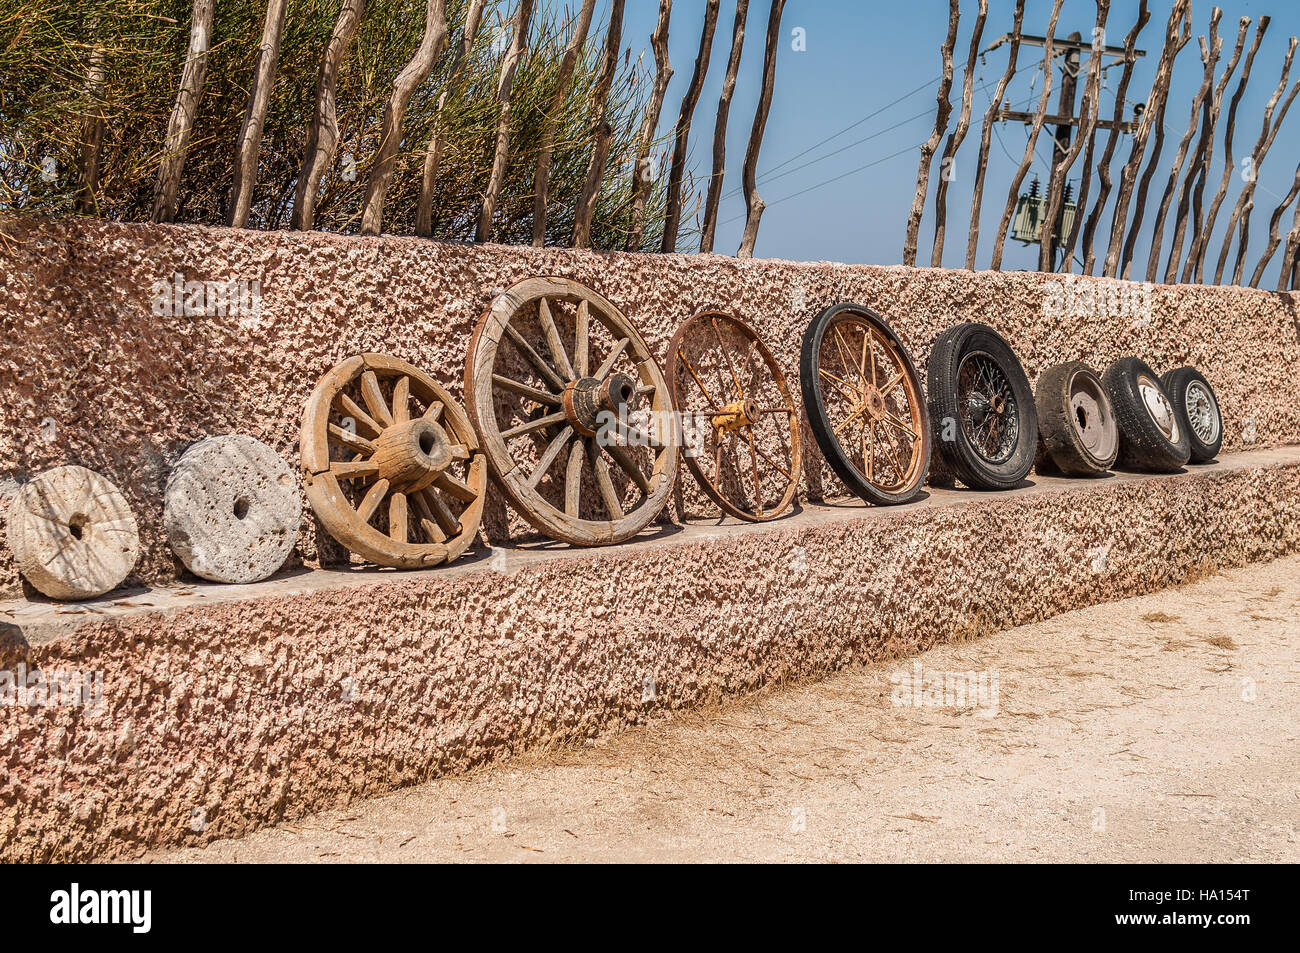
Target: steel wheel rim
(1091, 417)
(360, 427)
(688, 377)
(1158, 407)
(870, 430)
(551, 387)
(1202, 412)
(987, 407)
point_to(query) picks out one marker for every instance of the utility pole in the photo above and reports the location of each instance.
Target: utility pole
(1065, 120)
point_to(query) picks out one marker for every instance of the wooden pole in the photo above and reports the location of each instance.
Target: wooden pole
(1103, 165)
(749, 173)
(542, 173)
(710, 224)
(249, 143)
(1013, 193)
(1201, 242)
(505, 95)
(181, 124)
(931, 144)
(390, 131)
(323, 133)
(601, 130)
(643, 174)
(92, 130)
(1209, 57)
(986, 134)
(1177, 31)
(433, 153)
(946, 168)
(682, 131)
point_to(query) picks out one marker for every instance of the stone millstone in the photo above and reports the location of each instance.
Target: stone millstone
(232, 509)
(72, 534)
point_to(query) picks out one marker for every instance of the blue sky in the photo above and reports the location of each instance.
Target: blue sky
(864, 55)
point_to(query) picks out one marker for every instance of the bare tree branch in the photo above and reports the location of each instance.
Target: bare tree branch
(710, 223)
(931, 144)
(505, 90)
(749, 173)
(643, 175)
(673, 210)
(601, 130)
(181, 124)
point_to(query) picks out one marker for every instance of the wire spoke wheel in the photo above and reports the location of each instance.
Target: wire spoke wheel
(391, 464)
(988, 407)
(574, 414)
(740, 418)
(865, 404)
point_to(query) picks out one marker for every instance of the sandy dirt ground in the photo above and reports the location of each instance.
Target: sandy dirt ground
(1163, 728)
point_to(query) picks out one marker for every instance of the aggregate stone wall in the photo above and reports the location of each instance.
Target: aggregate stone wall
(89, 374)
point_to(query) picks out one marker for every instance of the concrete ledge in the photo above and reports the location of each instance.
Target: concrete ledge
(228, 708)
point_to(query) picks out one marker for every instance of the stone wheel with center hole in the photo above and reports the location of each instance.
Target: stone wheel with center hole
(391, 465)
(573, 412)
(72, 534)
(232, 509)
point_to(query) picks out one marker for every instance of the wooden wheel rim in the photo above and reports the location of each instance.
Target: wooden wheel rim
(430, 508)
(481, 384)
(682, 372)
(865, 434)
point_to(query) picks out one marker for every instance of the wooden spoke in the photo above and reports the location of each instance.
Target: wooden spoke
(549, 457)
(350, 439)
(607, 365)
(628, 465)
(362, 418)
(397, 517)
(543, 369)
(455, 487)
(458, 451)
(428, 524)
(573, 480)
(402, 400)
(445, 519)
(357, 470)
(582, 339)
(530, 425)
(370, 502)
(608, 495)
(535, 394)
(374, 399)
(434, 413)
(553, 342)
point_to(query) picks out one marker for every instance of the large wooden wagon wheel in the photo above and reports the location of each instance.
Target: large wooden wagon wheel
(571, 410)
(391, 464)
(864, 403)
(731, 392)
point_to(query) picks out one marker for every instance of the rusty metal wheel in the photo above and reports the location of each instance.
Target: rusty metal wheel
(733, 396)
(582, 441)
(391, 464)
(865, 405)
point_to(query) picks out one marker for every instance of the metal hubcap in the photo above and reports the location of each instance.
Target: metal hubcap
(1159, 408)
(1202, 412)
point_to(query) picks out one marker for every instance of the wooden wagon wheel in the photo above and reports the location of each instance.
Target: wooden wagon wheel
(731, 392)
(573, 465)
(391, 464)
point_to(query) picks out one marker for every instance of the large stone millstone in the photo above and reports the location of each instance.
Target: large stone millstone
(72, 534)
(232, 509)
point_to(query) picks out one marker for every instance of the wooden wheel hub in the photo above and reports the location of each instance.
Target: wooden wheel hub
(412, 455)
(586, 398)
(737, 414)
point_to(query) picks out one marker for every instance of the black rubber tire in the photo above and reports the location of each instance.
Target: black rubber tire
(968, 464)
(818, 420)
(1176, 383)
(1143, 445)
(1058, 428)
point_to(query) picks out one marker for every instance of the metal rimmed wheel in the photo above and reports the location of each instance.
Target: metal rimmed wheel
(391, 465)
(1151, 437)
(982, 407)
(734, 398)
(1075, 419)
(1197, 409)
(864, 404)
(573, 412)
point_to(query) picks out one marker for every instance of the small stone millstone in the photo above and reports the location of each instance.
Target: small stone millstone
(72, 534)
(232, 509)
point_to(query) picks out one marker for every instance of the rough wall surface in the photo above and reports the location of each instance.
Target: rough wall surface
(242, 713)
(90, 375)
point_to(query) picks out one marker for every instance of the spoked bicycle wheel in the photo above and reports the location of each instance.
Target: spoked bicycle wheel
(569, 406)
(864, 403)
(733, 395)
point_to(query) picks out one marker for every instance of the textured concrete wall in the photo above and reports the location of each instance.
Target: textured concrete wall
(243, 712)
(90, 375)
